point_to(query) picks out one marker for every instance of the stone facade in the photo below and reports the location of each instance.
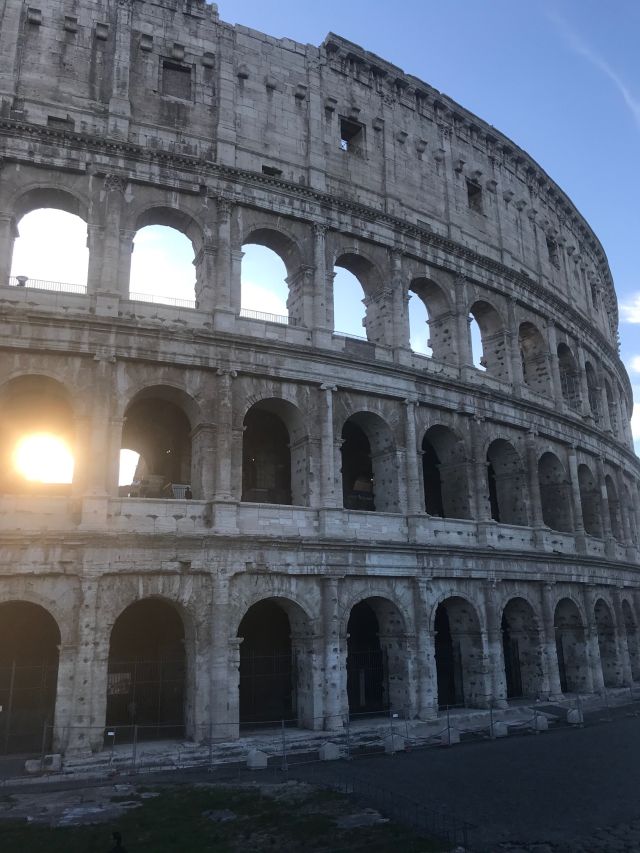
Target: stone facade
(521, 578)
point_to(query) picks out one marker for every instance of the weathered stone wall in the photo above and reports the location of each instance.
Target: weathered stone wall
(135, 113)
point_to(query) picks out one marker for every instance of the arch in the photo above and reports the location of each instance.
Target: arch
(377, 657)
(492, 336)
(555, 493)
(590, 501)
(533, 355)
(569, 376)
(163, 265)
(147, 671)
(29, 643)
(375, 321)
(459, 654)
(571, 647)
(171, 217)
(30, 406)
(439, 317)
(593, 391)
(614, 507)
(605, 626)
(445, 474)
(348, 304)
(276, 675)
(50, 245)
(159, 430)
(522, 649)
(278, 241)
(507, 483)
(274, 454)
(50, 197)
(369, 464)
(631, 634)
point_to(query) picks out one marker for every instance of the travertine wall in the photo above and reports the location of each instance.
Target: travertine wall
(137, 113)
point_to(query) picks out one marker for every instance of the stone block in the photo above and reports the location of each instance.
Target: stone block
(498, 729)
(394, 743)
(50, 764)
(330, 752)
(257, 760)
(540, 723)
(450, 737)
(575, 717)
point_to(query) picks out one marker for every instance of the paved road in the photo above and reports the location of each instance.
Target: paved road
(566, 790)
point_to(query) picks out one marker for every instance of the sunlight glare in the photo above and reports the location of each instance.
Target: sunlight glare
(44, 458)
(128, 463)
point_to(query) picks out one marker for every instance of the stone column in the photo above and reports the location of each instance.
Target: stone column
(203, 464)
(427, 704)
(622, 643)
(224, 691)
(328, 490)
(513, 342)
(322, 292)
(480, 483)
(497, 676)
(537, 519)
(576, 501)
(300, 302)
(585, 408)
(591, 636)
(116, 426)
(400, 333)
(465, 357)
(335, 693)
(226, 294)
(226, 472)
(119, 103)
(8, 233)
(205, 263)
(604, 500)
(554, 365)
(550, 670)
(415, 503)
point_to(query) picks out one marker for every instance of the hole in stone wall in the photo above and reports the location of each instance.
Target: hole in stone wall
(474, 196)
(351, 136)
(176, 80)
(266, 458)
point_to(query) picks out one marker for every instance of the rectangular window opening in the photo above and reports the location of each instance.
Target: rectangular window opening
(474, 196)
(351, 136)
(272, 172)
(176, 80)
(554, 255)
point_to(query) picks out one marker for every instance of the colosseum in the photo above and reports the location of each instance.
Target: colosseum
(321, 524)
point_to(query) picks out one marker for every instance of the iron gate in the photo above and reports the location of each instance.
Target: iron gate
(367, 681)
(267, 687)
(146, 694)
(27, 698)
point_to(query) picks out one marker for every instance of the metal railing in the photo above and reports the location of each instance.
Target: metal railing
(42, 284)
(351, 335)
(281, 319)
(155, 299)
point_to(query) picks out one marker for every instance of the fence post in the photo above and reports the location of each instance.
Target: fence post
(43, 745)
(135, 746)
(210, 745)
(393, 751)
(579, 709)
(284, 750)
(348, 739)
(448, 727)
(491, 734)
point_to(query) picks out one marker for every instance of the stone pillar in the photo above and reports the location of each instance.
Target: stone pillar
(328, 490)
(576, 501)
(414, 503)
(335, 692)
(232, 692)
(119, 103)
(604, 500)
(205, 264)
(591, 636)
(585, 408)
(224, 690)
(622, 644)
(203, 461)
(554, 365)
(465, 357)
(550, 670)
(480, 483)
(300, 302)
(113, 465)
(400, 333)
(513, 343)
(537, 519)
(224, 462)
(497, 676)
(427, 677)
(322, 292)
(8, 233)
(226, 295)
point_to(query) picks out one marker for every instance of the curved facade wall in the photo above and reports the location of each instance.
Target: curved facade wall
(487, 517)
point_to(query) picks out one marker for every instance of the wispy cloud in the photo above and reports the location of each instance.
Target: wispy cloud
(630, 311)
(582, 48)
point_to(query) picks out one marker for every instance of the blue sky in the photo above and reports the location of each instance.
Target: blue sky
(562, 79)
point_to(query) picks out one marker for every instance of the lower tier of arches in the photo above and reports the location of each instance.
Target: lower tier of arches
(203, 655)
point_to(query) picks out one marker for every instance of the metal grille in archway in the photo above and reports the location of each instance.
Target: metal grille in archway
(367, 681)
(27, 699)
(267, 687)
(148, 695)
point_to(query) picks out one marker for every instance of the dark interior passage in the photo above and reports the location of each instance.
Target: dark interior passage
(267, 671)
(146, 675)
(511, 651)
(448, 662)
(357, 469)
(266, 458)
(367, 676)
(432, 480)
(29, 640)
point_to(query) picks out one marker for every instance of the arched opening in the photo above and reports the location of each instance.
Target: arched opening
(614, 507)
(611, 673)
(569, 377)
(593, 392)
(611, 406)
(348, 304)
(264, 291)
(147, 672)
(419, 339)
(533, 355)
(369, 470)
(37, 437)
(631, 631)
(522, 650)
(459, 656)
(590, 501)
(276, 678)
(555, 493)
(428, 303)
(376, 658)
(492, 340)
(444, 472)
(506, 483)
(162, 266)
(274, 454)
(159, 431)
(375, 321)
(51, 246)
(570, 647)
(29, 643)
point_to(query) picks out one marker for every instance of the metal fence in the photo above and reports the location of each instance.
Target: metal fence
(43, 284)
(156, 299)
(281, 319)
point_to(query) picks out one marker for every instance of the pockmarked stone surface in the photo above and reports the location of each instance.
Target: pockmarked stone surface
(319, 525)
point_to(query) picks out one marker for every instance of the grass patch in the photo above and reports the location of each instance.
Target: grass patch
(176, 820)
